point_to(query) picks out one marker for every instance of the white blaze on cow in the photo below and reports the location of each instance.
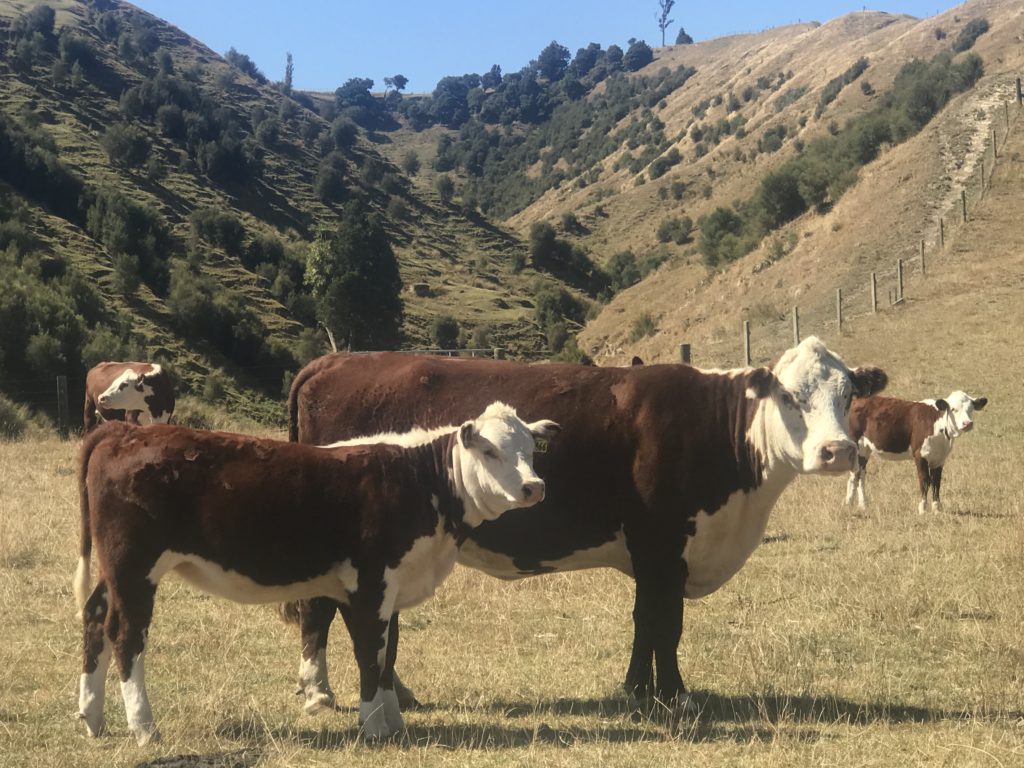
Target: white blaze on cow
(923, 432)
(233, 514)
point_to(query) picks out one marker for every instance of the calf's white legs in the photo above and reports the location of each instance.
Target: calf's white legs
(313, 682)
(136, 703)
(92, 690)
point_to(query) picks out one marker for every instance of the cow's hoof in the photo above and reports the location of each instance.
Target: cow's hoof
(406, 698)
(94, 726)
(147, 735)
(936, 506)
(922, 508)
(317, 701)
(376, 729)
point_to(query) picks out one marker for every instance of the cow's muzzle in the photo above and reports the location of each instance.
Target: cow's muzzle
(533, 493)
(837, 456)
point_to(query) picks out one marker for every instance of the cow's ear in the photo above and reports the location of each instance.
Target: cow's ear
(980, 402)
(637, 360)
(941, 405)
(467, 434)
(760, 383)
(544, 429)
(868, 381)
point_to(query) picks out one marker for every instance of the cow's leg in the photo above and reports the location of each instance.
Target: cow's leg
(96, 660)
(851, 485)
(667, 617)
(379, 712)
(128, 623)
(89, 415)
(862, 466)
(924, 481)
(315, 617)
(640, 673)
(936, 484)
(406, 698)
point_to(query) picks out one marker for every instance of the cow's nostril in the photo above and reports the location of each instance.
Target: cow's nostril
(827, 455)
(527, 491)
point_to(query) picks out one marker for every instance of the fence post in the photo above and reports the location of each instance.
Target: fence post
(1020, 96)
(796, 325)
(874, 293)
(62, 407)
(899, 279)
(942, 233)
(995, 154)
(497, 353)
(1006, 114)
(839, 309)
(982, 174)
(923, 272)
(746, 342)
(963, 204)
(891, 299)
(684, 353)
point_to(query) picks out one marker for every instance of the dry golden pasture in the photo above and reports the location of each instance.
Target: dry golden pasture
(884, 638)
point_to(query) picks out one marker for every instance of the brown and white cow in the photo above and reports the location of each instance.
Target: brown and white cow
(127, 392)
(902, 429)
(374, 526)
(664, 472)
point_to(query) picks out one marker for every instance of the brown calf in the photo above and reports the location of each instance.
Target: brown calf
(376, 527)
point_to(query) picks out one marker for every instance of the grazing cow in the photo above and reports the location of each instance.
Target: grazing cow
(901, 429)
(374, 526)
(664, 472)
(126, 392)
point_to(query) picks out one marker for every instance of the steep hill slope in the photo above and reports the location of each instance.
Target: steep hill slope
(105, 65)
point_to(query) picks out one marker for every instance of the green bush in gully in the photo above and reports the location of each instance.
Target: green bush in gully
(817, 178)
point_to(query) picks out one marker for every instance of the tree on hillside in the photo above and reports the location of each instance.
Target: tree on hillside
(682, 38)
(638, 55)
(491, 78)
(662, 18)
(398, 83)
(553, 61)
(353, 276)
(289, 70)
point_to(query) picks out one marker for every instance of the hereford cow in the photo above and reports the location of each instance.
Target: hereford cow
(374, 526)
(665, 472)
(901, 429)
(126, 392)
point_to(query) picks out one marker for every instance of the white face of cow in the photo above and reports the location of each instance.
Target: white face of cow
(128, 391)
(960, 416)
(494, 463)
(803, 421)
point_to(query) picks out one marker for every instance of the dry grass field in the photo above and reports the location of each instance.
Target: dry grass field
(883, 638)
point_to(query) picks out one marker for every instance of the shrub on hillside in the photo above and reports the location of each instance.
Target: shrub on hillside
(218, 228)
(972, 30)
(243, 63)
(124, 226)
(622, 270)
(445, 332)
(126, 145)
(329, 185)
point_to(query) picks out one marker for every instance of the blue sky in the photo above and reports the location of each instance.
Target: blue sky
(425, 40)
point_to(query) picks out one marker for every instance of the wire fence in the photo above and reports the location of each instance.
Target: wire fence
(887, 288)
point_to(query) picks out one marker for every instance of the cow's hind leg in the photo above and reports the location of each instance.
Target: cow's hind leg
(128, 623)
(96, 660)
(315, 617)
(640, 673)
(936, 484)
(862, 470)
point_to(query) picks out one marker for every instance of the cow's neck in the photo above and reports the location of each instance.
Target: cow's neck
(446, 484)
(764, 462)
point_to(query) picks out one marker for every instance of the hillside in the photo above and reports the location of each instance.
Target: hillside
(105, 72)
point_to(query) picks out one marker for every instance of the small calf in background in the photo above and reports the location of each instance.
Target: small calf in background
(135, 392)
(902, 429)
(375, 526)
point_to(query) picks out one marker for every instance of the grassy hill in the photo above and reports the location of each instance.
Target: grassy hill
(106, 65)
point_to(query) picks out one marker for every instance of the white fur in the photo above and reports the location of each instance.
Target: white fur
(81, 583)
(314, 684)
(136, 703)
(92, 690)
(129, 398)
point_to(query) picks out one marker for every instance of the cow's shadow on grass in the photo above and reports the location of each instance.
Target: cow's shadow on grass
(238, 759)
(741, 719)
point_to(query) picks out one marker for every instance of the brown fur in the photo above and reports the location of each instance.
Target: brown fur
(102, 375)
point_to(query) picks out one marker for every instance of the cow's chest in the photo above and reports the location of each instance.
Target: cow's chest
(421, 570)
(725, 539)
(936, 449)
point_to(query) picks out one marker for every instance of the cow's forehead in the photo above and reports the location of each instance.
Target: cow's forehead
(501, 426)
(811, 366)
(960, 400)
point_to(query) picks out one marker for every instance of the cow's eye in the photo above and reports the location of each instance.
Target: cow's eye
(788, 401)
(490, 453)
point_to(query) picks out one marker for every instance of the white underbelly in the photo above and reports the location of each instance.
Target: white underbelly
(936, 449)
(866, 448)
(611, 554)
(337, 582)
(724, 540)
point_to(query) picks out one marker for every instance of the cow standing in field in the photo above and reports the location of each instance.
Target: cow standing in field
(127, 392)
(664, 472)
(374, 526)
(902, 429)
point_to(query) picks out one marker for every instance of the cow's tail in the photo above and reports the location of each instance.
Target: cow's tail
(83, 577)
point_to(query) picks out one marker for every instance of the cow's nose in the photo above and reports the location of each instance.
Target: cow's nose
(533, 491)
(837, 455)
(968, 426)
